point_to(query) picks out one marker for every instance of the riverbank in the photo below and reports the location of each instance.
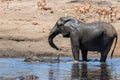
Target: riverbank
(24, 30)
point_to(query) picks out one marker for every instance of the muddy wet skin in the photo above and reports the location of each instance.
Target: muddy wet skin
(66, 69)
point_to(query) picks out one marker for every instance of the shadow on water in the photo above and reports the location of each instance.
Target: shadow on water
(16, 69)
(84, 73)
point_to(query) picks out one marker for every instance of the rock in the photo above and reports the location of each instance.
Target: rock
(34, 23)
(41, 59)
(119, 18)
(31, 59)
(28, 77)
(51, 12)
(31, 77)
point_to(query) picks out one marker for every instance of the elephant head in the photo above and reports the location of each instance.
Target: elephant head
(63, 26)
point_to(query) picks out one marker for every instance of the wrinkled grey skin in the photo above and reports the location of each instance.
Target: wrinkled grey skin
(95, 36)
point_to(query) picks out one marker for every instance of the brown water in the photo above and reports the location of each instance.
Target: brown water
(16, 69)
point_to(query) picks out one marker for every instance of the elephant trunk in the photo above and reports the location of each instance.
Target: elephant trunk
(51, 37)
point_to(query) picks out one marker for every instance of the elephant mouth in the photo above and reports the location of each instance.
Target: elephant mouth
(66, 35)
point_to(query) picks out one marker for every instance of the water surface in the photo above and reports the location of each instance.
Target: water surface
(64, 70)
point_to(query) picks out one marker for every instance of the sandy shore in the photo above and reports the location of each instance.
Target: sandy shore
(24, 29)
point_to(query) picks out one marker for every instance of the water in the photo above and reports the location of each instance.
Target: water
(64, 70)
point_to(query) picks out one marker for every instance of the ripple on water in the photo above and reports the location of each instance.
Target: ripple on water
(64, 70)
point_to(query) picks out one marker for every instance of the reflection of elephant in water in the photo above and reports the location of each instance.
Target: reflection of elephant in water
(96, 36)
(83, 73)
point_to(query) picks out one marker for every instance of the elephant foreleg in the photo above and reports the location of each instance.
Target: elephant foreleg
(84, 54)
(75, 52)
(75, 48)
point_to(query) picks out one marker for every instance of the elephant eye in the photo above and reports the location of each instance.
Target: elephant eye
(59, 25)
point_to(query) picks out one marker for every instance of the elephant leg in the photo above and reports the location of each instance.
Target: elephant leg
(84, 54)
(105, 52)
(75, 47)
(75, 51)
(103, 56)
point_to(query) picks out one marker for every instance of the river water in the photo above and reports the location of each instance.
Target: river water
(64, 70)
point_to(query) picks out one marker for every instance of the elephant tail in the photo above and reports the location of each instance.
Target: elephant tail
(116, 38)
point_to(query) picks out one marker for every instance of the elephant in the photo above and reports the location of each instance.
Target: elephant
(95, 36)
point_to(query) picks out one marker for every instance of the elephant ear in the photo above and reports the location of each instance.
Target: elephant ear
(67, 19)
(62, 20)
(71, 23)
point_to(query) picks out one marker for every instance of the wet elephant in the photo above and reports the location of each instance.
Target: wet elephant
(95, 36)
